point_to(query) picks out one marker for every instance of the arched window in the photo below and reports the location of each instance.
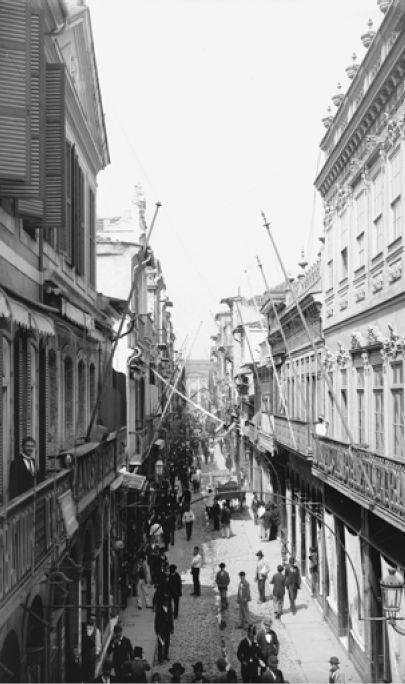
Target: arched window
(68, 400)
(92, 385)
(81, 375)
(52, 436)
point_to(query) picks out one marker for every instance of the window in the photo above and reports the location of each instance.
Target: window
(72, 236)
(81, 377)
(361, 414)
(5, 366)
(395, 198)
(68, 399)
(329, 265)
(378, 244)
(360, 227)
(343, 394)
(343, 246)
(378, 391)
(398, 409)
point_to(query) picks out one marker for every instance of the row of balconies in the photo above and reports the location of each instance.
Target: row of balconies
(374, 481)
(32, 525)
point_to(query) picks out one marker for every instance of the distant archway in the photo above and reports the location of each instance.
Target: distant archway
(10, 660)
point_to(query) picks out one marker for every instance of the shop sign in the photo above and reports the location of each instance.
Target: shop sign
(132, 481)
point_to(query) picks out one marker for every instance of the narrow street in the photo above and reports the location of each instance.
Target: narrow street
(306, 643)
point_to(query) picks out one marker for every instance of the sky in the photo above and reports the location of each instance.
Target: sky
(215, 108)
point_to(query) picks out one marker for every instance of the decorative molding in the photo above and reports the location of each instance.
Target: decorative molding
(377, 282)
(366, 362)
(329, 310)
(374, 335)
(343, 357)
(395, 271)
(392, 345)
(344, 301)
(328, 359)
(360, 293)
(357, 340)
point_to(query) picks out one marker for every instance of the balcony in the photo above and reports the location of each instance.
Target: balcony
(31, 526)
(341, 467)
(294, 434)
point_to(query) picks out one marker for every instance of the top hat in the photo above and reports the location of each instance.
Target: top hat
(138, 652)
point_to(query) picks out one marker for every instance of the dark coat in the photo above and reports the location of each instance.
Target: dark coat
(164, 621)
(175, 585)
(266, 648)
(100, 679)
(278, 582)
(21, 479)
(292, 576)
(121, 652)
(249, 654)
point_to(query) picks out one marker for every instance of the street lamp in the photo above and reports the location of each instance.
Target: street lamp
(392, 588)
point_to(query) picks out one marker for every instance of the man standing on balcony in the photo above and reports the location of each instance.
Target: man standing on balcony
(23, 470)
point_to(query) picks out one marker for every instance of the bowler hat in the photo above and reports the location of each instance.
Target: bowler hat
(221, 664)
(242, 574)
(334, 660)
(259, 553)
(172, 567)
(117, 629)
(177, 667)
(198, 667)
(222, 565)
(273, 661)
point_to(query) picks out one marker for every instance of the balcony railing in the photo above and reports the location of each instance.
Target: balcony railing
(284, 431)
(31, 525)
(346, 467)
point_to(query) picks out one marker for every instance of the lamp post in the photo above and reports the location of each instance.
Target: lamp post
(392, 588)
(159, 470)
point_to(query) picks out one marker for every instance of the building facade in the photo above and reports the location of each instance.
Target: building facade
(57, 557)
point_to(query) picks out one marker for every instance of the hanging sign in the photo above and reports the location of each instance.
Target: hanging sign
(67, 508)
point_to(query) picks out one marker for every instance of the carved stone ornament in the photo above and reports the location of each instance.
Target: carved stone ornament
(360, 293)
(343, 302)
(329, 310)
(365, 359)
(328, 360)
(377, 282)
(357, 340)
(395, 271)
(374, 335)
(393, 344)
(342, 356)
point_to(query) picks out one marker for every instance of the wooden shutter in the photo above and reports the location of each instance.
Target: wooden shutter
(65, 237)
(76, 211)
(15, 116)
(19, 391)
(30, 195)
(82, 226)
(92, 238)
(44, 409)
(55, 179)
(27, 388)
(3, 457)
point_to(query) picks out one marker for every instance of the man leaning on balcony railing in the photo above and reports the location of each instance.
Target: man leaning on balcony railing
(23, 469)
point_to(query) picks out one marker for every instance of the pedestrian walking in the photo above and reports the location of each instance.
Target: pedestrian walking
(243, 597)
(105, 678)
(250, 657)
(336, 676)
(222, 581)
(274, 521)
(74, 670)
(284, 546)
(163, 628)
(292, 582)
(141, 590)
(175, 589)
(267, 640)
(177, 670)
(278, 582)
(255, 506)
(313, 569)
(121, 649)
(225, 521)
(139, 666)
(262, 571)
(267, 520)
(209, 502)
(260, 513)
(196, 565)
(216, 513)
(198, 673)
(188, 521)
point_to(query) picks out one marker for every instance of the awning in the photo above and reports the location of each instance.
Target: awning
(4, 308)
(77, 315)
(160, 443)
(20, 314)
(43, 324)
(135, 460)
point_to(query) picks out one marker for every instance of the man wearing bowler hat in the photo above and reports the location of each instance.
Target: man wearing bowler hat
(198, 673)
(262, 570)
(243, 597)
(222, 581)
(335, 673)
(292, 582)
(177, 670)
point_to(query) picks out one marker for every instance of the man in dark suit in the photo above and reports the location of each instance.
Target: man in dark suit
(250, 657)
(278, 582)
(292, 582)
(106, 676)
(23, 470)
(267, 640)
(175, 589)
(121, 649)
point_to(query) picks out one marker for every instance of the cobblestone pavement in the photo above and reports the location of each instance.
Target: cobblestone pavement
(197, 632)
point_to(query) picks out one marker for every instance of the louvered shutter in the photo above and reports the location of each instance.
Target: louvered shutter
(27, 390)
(92, 239)
(31, 195)
(15, 85)
(43, 401)
(3, 457)
(80, 263)
(19, 392)
(76, 212)
(55, 179)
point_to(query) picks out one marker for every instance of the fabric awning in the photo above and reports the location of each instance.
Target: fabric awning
(4, 308)
(20, 314)
(43, 324)
(73, 313)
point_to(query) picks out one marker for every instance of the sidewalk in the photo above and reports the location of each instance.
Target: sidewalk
(138, 626)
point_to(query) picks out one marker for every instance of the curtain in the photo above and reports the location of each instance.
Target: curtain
(353, 548)
(331, 561)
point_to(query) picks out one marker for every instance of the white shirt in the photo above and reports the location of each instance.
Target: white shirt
(197, 561)
(188, 516)
(29, 463)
